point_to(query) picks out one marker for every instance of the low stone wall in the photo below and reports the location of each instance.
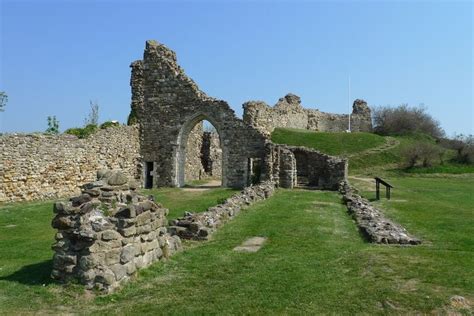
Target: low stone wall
(289, 113)
(371, 221)
(38, 166)
(200, 226)
(109, 232)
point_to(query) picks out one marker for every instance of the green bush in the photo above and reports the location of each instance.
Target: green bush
(82, 132)
(422, 153)
(109, 124)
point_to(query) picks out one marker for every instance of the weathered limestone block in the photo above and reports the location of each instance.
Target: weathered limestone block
(101, 243)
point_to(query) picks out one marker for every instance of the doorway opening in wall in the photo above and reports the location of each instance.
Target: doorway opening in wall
(149, 174)
(203, 165)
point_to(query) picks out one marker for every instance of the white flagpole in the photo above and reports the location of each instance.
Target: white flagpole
(349, 102)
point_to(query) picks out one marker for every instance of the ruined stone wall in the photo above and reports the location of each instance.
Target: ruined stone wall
(289, 113)
(108, 233)
(194, 167)
(371, 222)
(291, 166)
(211, 155)
(200, 226)
(38, 166)
(169, 104)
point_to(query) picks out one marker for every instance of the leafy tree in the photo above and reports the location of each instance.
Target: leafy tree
(53, 126)
(3, 100)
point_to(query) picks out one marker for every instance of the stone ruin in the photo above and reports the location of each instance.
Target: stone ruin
(109, 232)
(289, 113)
(371, 222)
(199, 226)
(168, 106)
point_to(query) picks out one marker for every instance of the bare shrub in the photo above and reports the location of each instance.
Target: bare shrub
(422, 154)
(404, 120)
(463, 145)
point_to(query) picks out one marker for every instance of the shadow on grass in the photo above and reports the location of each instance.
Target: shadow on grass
(33, 274)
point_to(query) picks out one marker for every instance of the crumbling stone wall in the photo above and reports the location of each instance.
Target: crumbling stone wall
(200, 226)
(291, 166)
(211, 154)
(194, 168)
(109, 232)
(38, 166)
(371, 222)
(168, 106)
(289, 113)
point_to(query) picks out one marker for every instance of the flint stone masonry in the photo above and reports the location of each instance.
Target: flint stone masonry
(211, 155)
(38, 166)
(200, 226)
(371, 222)
(194, 168)
(292, 166)
(168, 106)
(203, 155)
(289, 113)
(108, 233)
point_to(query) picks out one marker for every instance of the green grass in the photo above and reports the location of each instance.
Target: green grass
(451, 168)
(362, 148)
(314, 262)
(179, 200)
(329, 143)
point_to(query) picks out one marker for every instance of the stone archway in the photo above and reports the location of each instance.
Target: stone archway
(168, 104)
(180, 159)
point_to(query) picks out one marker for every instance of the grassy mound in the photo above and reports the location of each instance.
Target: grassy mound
(329, 143)
(368, 152)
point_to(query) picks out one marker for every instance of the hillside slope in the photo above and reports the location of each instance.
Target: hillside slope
(365, 151)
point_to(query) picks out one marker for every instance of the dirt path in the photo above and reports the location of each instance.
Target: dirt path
(390, 143)
(211, 184)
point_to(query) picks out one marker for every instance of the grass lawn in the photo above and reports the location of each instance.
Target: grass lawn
(313, 262)
(451, 168)
(329, 143)
(178, 200)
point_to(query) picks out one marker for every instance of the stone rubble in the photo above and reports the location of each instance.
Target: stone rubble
(371, 222)
(108, 233)
(199, 226)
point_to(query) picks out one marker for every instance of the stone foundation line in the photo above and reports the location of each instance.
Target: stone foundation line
(371, 221)
(199, 226)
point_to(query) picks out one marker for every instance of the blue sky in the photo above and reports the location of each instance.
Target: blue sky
(58, 55)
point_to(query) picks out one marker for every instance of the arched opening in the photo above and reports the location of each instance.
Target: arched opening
(200, 155)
